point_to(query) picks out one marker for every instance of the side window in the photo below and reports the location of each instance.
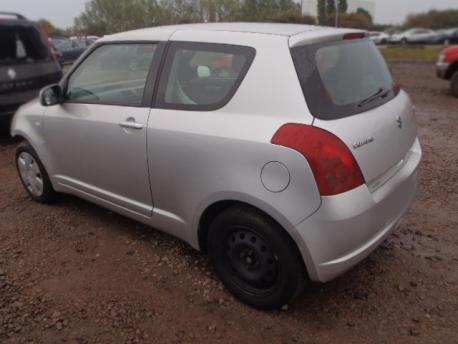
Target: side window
(112, 74)
(202, 76)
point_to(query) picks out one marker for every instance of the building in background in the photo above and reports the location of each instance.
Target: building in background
(310, 7)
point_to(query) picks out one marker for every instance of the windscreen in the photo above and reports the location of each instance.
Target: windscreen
(22, 44)
(341, 79)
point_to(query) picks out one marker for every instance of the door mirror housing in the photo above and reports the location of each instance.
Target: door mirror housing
(51, 95)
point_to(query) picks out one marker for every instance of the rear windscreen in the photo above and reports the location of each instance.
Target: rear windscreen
(22, 44)
(341, 79)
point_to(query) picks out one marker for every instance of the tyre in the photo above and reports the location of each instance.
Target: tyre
(454, 84)
(255, 258)
(33, 174)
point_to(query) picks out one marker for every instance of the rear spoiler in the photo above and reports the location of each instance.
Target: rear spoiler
(326, 35)
(13, 14)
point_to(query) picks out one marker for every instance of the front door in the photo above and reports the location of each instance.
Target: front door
(97, 136)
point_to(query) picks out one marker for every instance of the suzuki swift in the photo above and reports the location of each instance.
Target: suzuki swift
(287, 152)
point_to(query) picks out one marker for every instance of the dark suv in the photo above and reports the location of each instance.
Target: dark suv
(27, 62)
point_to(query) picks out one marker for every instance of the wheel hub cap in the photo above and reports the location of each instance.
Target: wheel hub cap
(30, 173)
(252, 259)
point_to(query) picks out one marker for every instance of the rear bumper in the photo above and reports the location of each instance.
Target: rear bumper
(348, 227)
(442, 69)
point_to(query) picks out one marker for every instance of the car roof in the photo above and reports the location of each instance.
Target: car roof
(262, 28)
(163, 33)
(15, 19)
(258, 28)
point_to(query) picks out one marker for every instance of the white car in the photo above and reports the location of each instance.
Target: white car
(414, 36)
(379, 37)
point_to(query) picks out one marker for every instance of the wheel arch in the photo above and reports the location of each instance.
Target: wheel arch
(215, 208)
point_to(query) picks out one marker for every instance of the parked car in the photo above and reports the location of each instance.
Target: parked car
(414, 36)
(283, 175)
(71, 49)
(447, 68)
(27, 62)
(57, 39)
(379, 37)
(449, 37)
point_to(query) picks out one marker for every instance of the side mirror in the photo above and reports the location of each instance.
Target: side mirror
(51, 95)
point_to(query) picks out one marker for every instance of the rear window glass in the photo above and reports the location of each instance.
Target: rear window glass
(22, 45)
(344, 78)
(203, 76)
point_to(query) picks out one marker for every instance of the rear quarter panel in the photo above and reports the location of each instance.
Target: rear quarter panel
(197, 158)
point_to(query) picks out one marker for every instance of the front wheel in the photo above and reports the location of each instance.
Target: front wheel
(33, 174)
(454, 84)
(255, 258)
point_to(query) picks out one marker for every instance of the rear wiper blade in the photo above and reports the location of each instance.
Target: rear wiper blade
(381, 93)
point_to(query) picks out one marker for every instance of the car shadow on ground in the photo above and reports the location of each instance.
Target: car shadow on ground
(315, 303)
(5, 137)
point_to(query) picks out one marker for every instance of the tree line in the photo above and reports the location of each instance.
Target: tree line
(102, 17)
(108, 16)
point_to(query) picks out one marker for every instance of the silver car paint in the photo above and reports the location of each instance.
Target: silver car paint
(167, 173)
(90, 151)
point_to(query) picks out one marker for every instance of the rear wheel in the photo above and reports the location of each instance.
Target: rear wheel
(33, 174)
(255, 258)
(454, 84)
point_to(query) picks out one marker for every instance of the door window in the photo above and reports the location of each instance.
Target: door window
(202, 76)
(112, 74)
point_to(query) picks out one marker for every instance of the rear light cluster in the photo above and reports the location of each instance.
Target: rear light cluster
(50, 46)
(333, 165)
(355, 35)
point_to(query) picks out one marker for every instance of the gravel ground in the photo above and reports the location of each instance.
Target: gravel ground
(76, 273)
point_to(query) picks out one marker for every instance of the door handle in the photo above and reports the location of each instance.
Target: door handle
(131, 124)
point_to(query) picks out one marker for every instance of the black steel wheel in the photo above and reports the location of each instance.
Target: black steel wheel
(255, 258)
(252, 259)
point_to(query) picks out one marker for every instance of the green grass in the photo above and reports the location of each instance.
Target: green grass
(411, 54)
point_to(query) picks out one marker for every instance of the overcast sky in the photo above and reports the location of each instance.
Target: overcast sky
(62, 12)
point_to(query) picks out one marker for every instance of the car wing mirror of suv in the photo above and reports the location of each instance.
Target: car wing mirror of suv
(51, 95)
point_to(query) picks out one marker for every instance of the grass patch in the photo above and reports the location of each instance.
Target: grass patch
(411, 54)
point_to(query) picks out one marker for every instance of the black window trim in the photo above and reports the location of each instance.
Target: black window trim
(165, 69)
(151, 78)
(338, 112)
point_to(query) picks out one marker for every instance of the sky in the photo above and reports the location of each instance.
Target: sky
(62, 12)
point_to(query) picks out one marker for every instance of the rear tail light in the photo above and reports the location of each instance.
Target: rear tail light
(50, 46)
(333, 165)
(355, 35)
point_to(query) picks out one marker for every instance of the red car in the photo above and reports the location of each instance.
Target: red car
(447, 67)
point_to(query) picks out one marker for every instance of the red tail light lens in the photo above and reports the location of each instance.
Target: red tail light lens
(333, 165)
(356, 35)
(50, 46)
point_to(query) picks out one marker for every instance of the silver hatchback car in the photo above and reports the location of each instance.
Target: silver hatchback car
(286, 152)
